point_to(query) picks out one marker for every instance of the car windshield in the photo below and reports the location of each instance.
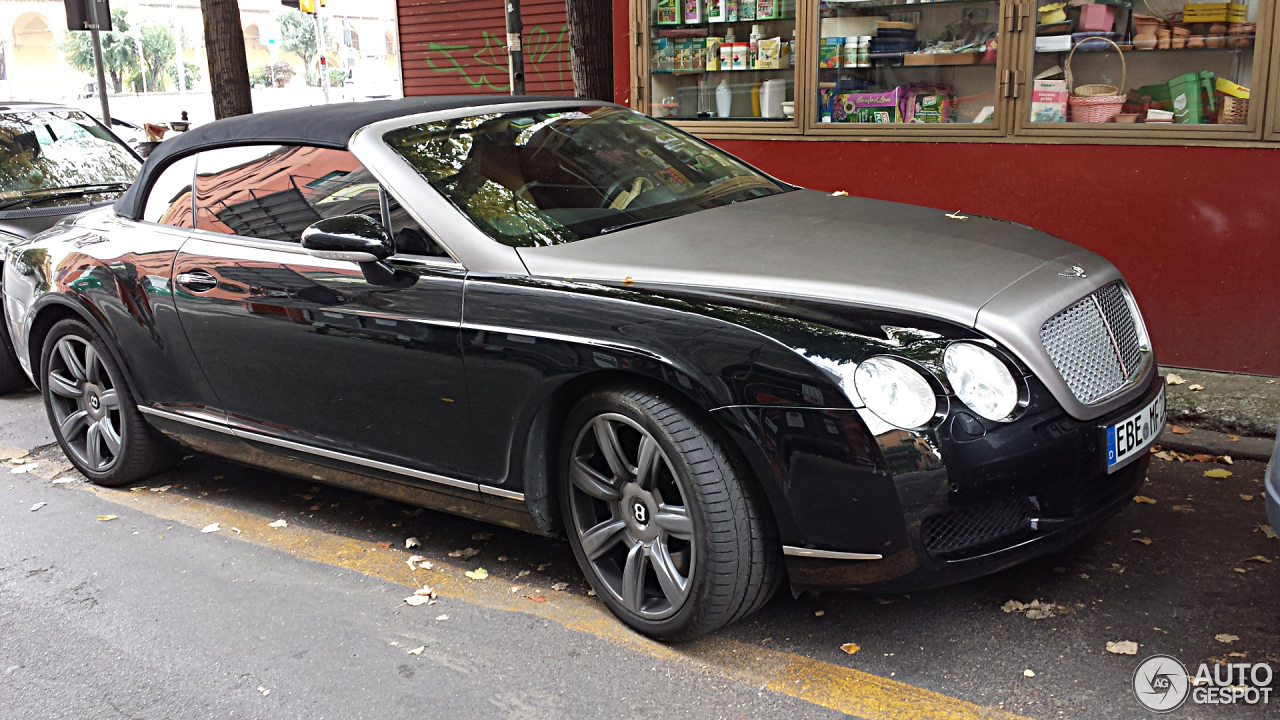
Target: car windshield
(547, 177)
(48, 150)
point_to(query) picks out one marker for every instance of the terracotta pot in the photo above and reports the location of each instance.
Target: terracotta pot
(1180, 35)
(1145, 27)
(1127, 118)
(1217, 36)
(1163, 38)
(1195, 42)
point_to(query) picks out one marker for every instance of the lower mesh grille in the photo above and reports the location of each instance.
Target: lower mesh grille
(967, 527)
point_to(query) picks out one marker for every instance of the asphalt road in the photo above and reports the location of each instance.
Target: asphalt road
(145, 616)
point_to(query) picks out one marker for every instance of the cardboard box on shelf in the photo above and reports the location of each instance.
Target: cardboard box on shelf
(1049, 101)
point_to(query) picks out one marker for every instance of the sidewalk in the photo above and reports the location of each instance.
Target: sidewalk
(1244, 407)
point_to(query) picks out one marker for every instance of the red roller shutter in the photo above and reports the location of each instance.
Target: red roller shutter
(459, 46)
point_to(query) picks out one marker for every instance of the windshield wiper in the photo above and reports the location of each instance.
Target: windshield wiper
(64, 192)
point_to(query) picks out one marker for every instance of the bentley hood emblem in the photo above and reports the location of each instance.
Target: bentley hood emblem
(1074, 271)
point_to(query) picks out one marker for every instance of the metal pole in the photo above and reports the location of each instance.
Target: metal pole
(142, 60)
(320, 53)
(97, 62)
(515, 51)
(176, 29)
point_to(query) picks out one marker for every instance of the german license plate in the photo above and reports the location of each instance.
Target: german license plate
(1132, 436)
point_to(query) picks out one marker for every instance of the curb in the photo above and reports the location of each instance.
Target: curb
(1216, 443)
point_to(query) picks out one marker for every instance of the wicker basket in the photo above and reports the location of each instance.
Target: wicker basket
(1235, 110)
(1095, 103)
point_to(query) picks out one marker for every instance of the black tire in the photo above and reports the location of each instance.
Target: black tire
(732, 558)
(106, 405)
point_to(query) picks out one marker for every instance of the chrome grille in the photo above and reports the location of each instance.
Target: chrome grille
(1095, 344)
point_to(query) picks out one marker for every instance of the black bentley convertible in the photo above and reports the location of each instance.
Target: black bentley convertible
(566, 317)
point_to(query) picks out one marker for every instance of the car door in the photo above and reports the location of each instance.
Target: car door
(305, 349)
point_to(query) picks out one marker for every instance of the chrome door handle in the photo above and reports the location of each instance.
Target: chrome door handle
(197, 281)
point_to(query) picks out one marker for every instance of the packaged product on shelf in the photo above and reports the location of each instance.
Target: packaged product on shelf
(712, 53)
(662, 57)
(928, 103)
(768, 9)
(1100, 18)
(740, 52)
(668, 12)
(693, 12)
(831, 52)
(727, 50)
(746, 9)
(868, 107)
(1193, 97)
(732, 10)
(1049, 101)
(715, 10)
(769, 54)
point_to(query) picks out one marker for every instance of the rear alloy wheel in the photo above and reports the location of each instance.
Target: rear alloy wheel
(670, 537)
(92, 411)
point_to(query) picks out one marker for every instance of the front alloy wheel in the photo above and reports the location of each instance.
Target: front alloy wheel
(85, 404)
(672, 538)
(94, 416)
(631, 519)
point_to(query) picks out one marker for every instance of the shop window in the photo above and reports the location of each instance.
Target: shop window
(897, 63)
(1162, 63)
(722, 59)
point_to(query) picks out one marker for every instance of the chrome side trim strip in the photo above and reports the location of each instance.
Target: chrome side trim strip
(827, 554)
(330, 454)
(210, 424)
(499, 492)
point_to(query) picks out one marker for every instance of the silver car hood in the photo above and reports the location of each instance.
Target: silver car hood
(998, 277)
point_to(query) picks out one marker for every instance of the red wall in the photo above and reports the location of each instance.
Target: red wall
(1195, 230)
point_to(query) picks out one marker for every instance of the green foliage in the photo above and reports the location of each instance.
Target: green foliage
(281, 72)
(298, 35)
(158, 51)
(119, 56)
(192, 74)
(337, 77)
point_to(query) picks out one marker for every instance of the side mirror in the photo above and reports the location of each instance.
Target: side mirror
(354, 238)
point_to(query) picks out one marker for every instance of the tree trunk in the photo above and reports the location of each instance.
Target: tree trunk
(591, 47)
(228, 64)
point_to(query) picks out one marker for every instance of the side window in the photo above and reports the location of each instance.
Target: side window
(169, 201)
(274, 192)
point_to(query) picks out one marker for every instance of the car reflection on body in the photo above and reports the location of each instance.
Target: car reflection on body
(55, 162)
(566, 317)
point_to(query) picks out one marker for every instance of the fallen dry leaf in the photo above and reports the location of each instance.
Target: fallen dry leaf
(210, 528)
(1203, 457)
(560, 586)
(1225, 638)
(278, 523)
(38, 505)
(840, 193)
(1233, 438)
(413, 561)
(1266, 531)
(426, 565)
(1218, 473)
(418, 650)
(1028, 673)
(106, 518)
(425, 591)
(536, 598)
(482, 536)
(1013, 606)
(63, 481)
(1194, 387)
(628, 280)
(1143, 540)
(464, 553)
(1178, 430)
(384, 544)
(21, 469)
(1116, 568)
(1182, 509)
(162, 488)
(411, 543)
(1173, 379)
(1144, 499)
(1240, 570)
(477, 574)
(416, 600)
(265, 692)
(819, 613)
(1225, 459)
(1246, 497)
(850, 648)
(1257, 558)
(1122, 647)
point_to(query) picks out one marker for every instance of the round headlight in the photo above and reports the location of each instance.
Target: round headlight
(981, 381)
(895, 392)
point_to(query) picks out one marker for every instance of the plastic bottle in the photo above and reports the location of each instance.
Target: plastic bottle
(724, 99)
(755, 99)
(791, 49)
(754, 56)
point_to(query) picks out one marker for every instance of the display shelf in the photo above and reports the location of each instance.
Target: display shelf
(1131, 53)
(856, 5)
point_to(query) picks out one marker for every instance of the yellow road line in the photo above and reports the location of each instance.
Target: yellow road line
(821, 683)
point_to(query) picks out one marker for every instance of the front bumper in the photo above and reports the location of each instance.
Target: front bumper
(1018, 491)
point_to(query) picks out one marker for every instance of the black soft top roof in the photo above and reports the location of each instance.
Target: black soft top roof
(320, 125)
